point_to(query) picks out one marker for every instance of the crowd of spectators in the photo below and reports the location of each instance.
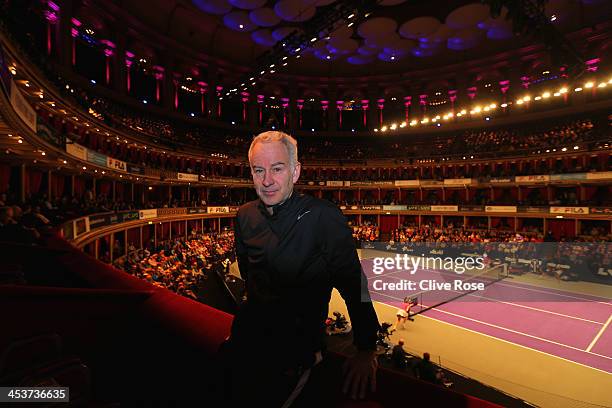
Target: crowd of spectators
(429, 233)
(366, 232)
(498, 141)
(233, 146)
(536, 196)
(179, 264)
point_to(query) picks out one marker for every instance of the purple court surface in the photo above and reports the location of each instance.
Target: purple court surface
(572, 326)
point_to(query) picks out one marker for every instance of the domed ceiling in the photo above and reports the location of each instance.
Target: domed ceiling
(398, 36)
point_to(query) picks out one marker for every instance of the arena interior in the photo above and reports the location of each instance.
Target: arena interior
(439, 128)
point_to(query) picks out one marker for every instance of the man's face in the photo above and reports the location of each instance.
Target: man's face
(272, 174)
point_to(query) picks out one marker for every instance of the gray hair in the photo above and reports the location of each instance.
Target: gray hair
(276, 136)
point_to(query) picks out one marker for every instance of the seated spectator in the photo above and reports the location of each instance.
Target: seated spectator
(426, 371)
(399, 355)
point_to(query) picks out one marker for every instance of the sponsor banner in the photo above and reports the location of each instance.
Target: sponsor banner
(114, 218)
(335, 183)
(445, 208)
(146, 214)
(196, 210)
(347, 184)
(99, 220)
(407, 183)
(501, 180)
(600, 175)
(46, 133)
(343, 207)
(22, 107)
(321, 183)
(135, 169)
(218, 210)
(537, 178)
(76, 150)
(171, 211)
(311, 183)
(371, 207)
(533, 209)
(418, 208)
(115, 164)
(128, 216)
(569, 210)
(473, 208)
(500, 208)
(394, 208)
(600, 210)
(573, 176)
(188, 177)
(429, 183)
(234, 209)
(383, 183)
(457, 182)
(96, 158)
(361, 183)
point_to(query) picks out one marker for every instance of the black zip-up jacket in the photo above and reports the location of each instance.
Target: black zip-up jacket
(290, 261)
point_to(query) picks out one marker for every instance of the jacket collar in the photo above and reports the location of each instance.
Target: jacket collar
(277, 208)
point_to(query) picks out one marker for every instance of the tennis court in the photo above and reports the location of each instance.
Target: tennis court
(567, 325)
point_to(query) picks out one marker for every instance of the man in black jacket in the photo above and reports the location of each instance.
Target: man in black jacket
(292, 250)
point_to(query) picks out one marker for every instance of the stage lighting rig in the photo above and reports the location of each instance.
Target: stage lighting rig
(528, 18)
(326, 21)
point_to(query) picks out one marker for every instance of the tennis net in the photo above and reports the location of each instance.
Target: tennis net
(446, 286)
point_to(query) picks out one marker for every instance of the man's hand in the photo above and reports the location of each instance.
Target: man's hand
(359, 370)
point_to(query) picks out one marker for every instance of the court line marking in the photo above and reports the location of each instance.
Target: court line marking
(505, 341)
(523, 334)
(519, 305)
(513, 331)
(603, 329)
